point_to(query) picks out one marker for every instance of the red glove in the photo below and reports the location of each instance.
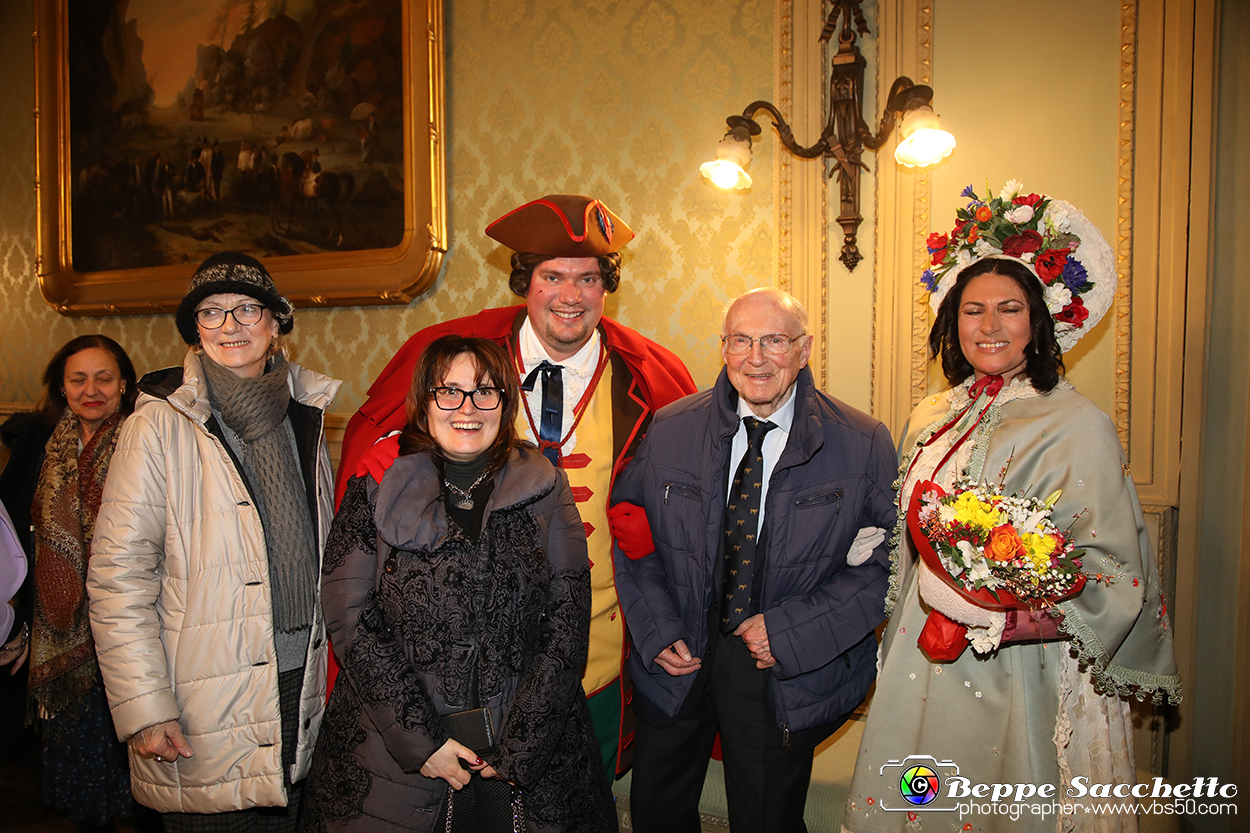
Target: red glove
(378, 458)
(631, 530)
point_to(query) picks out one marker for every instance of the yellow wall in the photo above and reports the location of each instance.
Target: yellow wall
(1047, 117)
(622, 101)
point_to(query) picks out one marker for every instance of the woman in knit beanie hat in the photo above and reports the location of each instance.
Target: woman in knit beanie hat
(204, 578)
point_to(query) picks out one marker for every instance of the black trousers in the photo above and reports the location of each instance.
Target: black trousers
(766, 783)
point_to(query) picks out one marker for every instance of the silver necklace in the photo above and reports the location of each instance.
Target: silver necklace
(466, 499)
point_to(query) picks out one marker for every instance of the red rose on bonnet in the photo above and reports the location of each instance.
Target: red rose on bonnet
(1020, 244)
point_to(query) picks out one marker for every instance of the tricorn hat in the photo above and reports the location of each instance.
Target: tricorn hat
(562, 225)
(232, 272)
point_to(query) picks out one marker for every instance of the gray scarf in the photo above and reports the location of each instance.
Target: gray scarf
(254, 410)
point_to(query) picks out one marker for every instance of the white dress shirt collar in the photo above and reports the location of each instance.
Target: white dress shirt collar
(581, 364)
(774, 443)
(579, 371)
(783, 417)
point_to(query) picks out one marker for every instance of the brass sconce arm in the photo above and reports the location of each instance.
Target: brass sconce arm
(846, 135)
(821, 148)
(905, 96)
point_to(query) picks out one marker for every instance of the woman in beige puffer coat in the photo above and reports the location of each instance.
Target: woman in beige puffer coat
(204, 571)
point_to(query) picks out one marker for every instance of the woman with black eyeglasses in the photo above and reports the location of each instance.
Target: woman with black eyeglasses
(457, 594)
(205, 571)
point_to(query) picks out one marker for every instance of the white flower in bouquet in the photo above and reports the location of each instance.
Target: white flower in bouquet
(1020, 214)
(1057, 296)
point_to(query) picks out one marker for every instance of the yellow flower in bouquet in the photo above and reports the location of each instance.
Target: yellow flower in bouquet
(971, 511)
(1039, 549)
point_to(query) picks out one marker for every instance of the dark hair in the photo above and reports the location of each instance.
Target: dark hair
(524, 264)
(53, 403)
(492, 364)
(1043, 361)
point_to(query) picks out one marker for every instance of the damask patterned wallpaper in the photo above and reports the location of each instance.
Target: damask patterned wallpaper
(621, 99)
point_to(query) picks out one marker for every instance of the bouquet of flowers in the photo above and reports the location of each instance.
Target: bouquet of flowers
(992, 551)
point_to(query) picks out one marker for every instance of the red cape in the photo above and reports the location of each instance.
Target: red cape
(659, 378)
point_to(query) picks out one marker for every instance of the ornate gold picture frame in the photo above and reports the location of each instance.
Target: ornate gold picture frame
(308, 133)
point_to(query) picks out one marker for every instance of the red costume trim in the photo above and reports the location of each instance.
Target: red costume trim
(658, 375)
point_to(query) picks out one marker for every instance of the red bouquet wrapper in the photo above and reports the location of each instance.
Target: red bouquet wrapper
(942, 638)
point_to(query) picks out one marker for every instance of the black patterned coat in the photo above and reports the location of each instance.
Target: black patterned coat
(404, 591)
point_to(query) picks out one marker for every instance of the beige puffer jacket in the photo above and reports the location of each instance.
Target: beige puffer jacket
(180, 599)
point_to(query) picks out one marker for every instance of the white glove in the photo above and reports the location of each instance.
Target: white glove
(866, 540)
(985, 627)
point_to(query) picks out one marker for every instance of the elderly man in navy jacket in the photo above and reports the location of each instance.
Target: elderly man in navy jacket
(752, 607)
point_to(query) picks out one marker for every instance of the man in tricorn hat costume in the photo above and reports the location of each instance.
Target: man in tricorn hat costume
(591, 388)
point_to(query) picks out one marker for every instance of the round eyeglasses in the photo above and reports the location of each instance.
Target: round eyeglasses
(211, 318)
(451, 399)
(774, 344)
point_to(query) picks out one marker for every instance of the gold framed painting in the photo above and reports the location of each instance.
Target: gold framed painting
(307, 133)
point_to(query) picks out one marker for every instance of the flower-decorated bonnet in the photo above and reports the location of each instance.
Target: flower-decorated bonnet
(1052, 238)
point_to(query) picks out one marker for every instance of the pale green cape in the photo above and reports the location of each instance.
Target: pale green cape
(995, 715)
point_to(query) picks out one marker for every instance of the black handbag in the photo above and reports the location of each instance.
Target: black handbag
(472, 727)
(486, 805)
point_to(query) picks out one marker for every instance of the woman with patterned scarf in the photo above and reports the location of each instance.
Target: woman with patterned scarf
(89, 389)
(204, 579)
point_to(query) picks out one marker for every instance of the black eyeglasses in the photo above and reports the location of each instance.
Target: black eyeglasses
(212, 318)
(451, 399)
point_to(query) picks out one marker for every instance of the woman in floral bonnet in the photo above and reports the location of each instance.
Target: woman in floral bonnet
(1040, 696)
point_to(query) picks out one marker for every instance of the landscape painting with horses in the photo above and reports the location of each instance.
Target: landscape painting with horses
(272, 127)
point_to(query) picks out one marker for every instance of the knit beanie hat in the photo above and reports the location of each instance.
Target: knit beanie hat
(232, 272)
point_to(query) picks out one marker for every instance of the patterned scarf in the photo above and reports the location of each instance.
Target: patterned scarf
(254, 410)
(67, 498)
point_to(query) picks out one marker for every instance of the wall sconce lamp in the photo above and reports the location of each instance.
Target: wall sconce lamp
(847, 135)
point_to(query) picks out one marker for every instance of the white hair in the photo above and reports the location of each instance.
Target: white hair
(780, 297)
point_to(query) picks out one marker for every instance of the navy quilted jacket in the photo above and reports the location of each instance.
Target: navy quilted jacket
(833, 478)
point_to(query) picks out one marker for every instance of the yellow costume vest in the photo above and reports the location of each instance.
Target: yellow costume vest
(589, 468)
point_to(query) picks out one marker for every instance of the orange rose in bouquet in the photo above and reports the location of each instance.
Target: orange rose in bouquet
(1005, 544)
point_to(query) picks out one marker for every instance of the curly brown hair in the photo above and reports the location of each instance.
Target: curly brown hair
(524, 264)
(494, 367)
